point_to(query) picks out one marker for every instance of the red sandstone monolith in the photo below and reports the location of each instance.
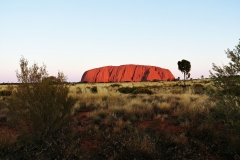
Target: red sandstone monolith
(127, 73)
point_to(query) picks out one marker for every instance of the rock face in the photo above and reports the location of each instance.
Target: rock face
(126, 73)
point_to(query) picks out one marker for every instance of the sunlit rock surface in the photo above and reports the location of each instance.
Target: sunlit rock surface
(127, 73)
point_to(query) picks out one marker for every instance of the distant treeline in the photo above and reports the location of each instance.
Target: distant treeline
(114, 82)
(9, 83)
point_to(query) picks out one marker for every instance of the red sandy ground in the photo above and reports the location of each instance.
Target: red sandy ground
(89, 143)
(126, 73)
(169, 125)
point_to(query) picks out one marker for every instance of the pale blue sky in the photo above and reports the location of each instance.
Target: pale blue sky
(77, 35)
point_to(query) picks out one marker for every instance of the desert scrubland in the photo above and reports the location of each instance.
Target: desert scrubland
(170, 122)
(45, 117)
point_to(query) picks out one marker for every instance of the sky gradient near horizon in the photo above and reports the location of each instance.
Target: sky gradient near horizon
(75, 36)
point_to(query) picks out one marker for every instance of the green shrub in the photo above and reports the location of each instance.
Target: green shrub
(94, 89)
(115, 85)
(5, 93)
(126, 90)
(135, 90)
(142, 91)
(198, 89)
(45, 106)
(225, 94)
(39, 101)
(226, 81)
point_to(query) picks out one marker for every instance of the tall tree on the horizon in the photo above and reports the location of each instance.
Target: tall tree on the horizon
(184, 66)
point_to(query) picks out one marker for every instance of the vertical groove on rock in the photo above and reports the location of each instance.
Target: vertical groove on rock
(122, 75)
(95, 79)
(110, 74)
(134, 71)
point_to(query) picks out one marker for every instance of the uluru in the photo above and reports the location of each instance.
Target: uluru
(127, 73)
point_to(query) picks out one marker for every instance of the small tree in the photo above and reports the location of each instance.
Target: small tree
(184, 66)
(226, 81)
(40, 101)
(226, 95)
